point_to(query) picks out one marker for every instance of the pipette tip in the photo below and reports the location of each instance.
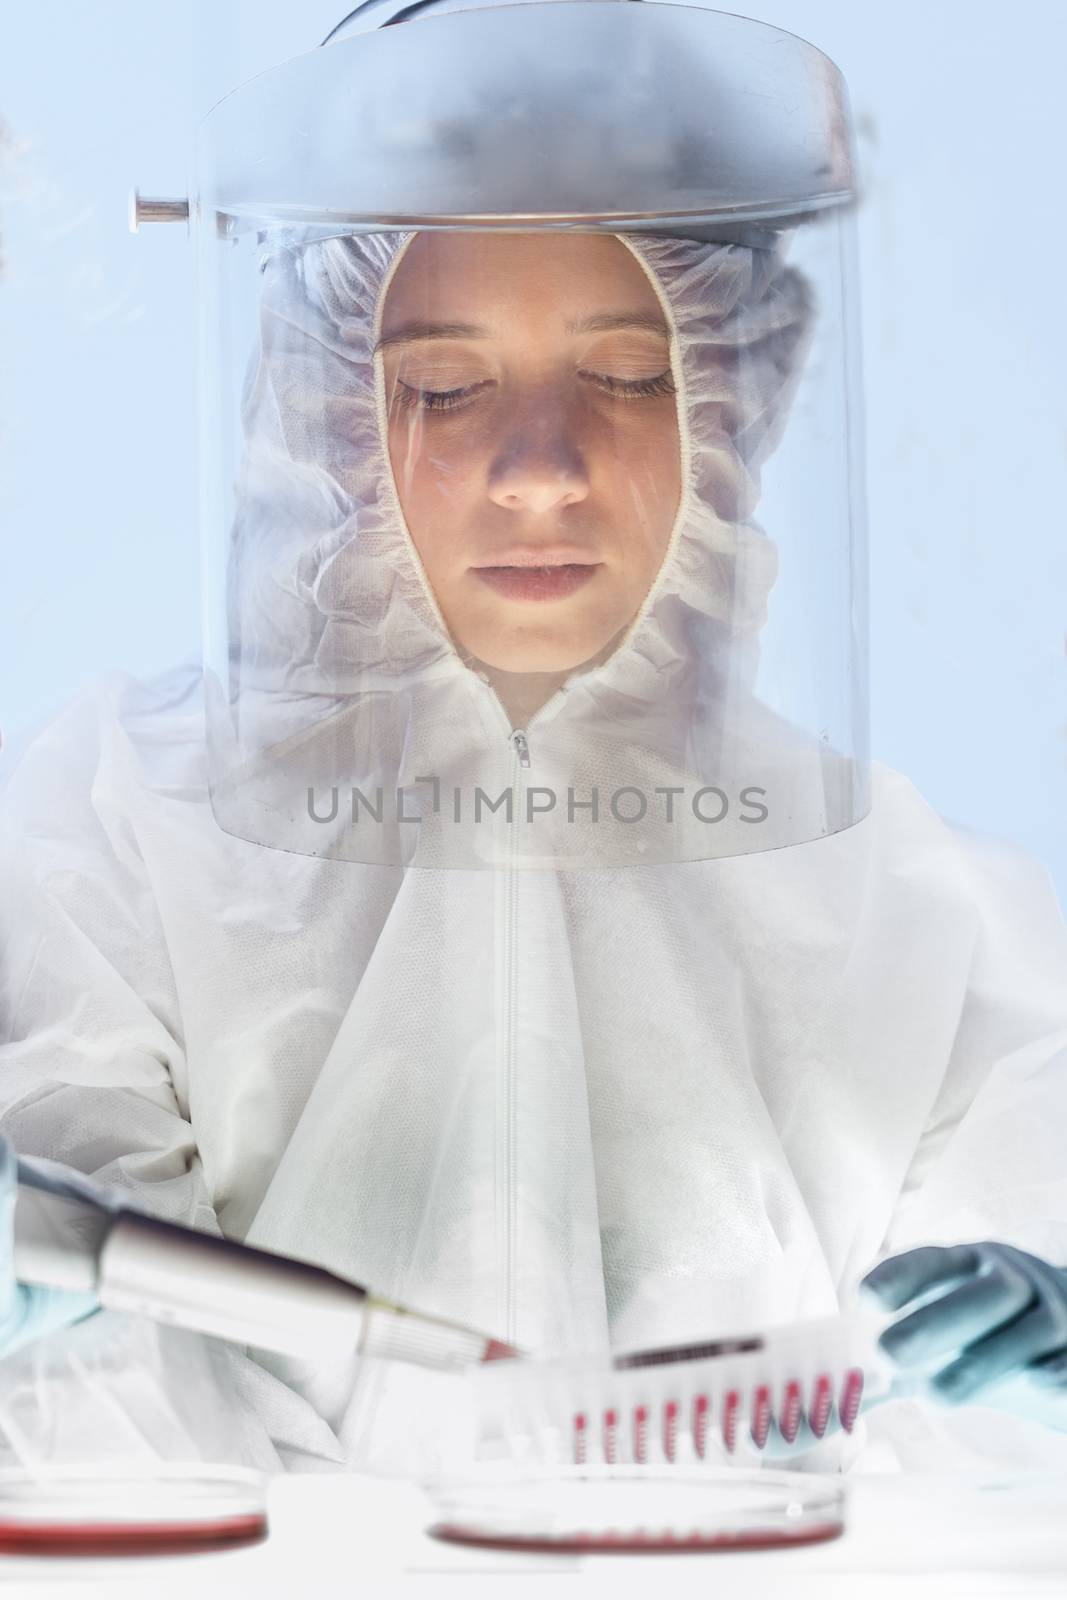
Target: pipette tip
(497, 1350)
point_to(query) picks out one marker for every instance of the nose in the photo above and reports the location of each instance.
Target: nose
(538, 466)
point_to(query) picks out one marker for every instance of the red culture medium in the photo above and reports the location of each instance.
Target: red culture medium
(640, 1540)
(131, 1538)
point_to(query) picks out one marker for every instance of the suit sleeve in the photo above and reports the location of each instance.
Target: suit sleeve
(992, 1159)
(90, 1047)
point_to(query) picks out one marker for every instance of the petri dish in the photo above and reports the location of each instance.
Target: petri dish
(136, 1511)
(627, 1509)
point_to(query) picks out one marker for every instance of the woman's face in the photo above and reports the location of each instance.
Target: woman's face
(533, 436)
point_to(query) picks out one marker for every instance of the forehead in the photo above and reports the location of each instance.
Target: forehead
(490, 278)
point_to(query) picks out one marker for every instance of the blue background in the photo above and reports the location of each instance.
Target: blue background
(961, 121)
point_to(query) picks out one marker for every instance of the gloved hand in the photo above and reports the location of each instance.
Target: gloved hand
(999, 1312)
(28, 1312)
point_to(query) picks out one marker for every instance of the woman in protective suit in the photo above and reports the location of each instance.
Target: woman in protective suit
(499, 945)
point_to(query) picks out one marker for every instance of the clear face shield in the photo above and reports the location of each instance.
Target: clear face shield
(533, 481)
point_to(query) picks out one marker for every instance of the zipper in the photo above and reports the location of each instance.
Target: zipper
(519, 738)
(507, 1131)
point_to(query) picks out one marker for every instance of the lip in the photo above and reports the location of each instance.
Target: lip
(546, 581)
(545, 555)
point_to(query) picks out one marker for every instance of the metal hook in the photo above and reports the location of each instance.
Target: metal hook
(143, 209)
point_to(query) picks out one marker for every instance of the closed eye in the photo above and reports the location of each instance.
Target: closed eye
(410, 397)
(633, 388)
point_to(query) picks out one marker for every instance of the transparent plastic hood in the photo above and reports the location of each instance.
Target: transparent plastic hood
(533, 462)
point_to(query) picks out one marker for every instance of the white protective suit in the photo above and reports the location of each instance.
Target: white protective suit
(642, 1102)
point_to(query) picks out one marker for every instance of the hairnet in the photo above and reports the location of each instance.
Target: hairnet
(350, 599)
(331, 615)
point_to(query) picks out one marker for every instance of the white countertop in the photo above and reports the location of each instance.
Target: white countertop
(348, 1535)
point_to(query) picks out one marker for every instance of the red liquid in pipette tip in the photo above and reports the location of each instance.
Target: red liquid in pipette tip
(497, 1350)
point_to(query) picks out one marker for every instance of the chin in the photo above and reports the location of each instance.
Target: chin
(510, 655)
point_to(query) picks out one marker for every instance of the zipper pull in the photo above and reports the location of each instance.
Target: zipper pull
(522, 749)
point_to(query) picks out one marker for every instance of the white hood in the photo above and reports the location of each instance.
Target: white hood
(342, 673)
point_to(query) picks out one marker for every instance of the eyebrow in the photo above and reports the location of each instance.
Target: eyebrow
(601, 322)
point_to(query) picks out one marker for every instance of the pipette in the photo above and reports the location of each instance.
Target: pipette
(136, 1263)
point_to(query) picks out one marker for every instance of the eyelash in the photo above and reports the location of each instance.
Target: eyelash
(453, 399)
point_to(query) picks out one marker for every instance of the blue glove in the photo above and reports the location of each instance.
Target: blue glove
(998, 1312)
(28, 1312)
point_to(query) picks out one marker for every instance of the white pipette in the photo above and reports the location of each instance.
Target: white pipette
(136, 1263)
